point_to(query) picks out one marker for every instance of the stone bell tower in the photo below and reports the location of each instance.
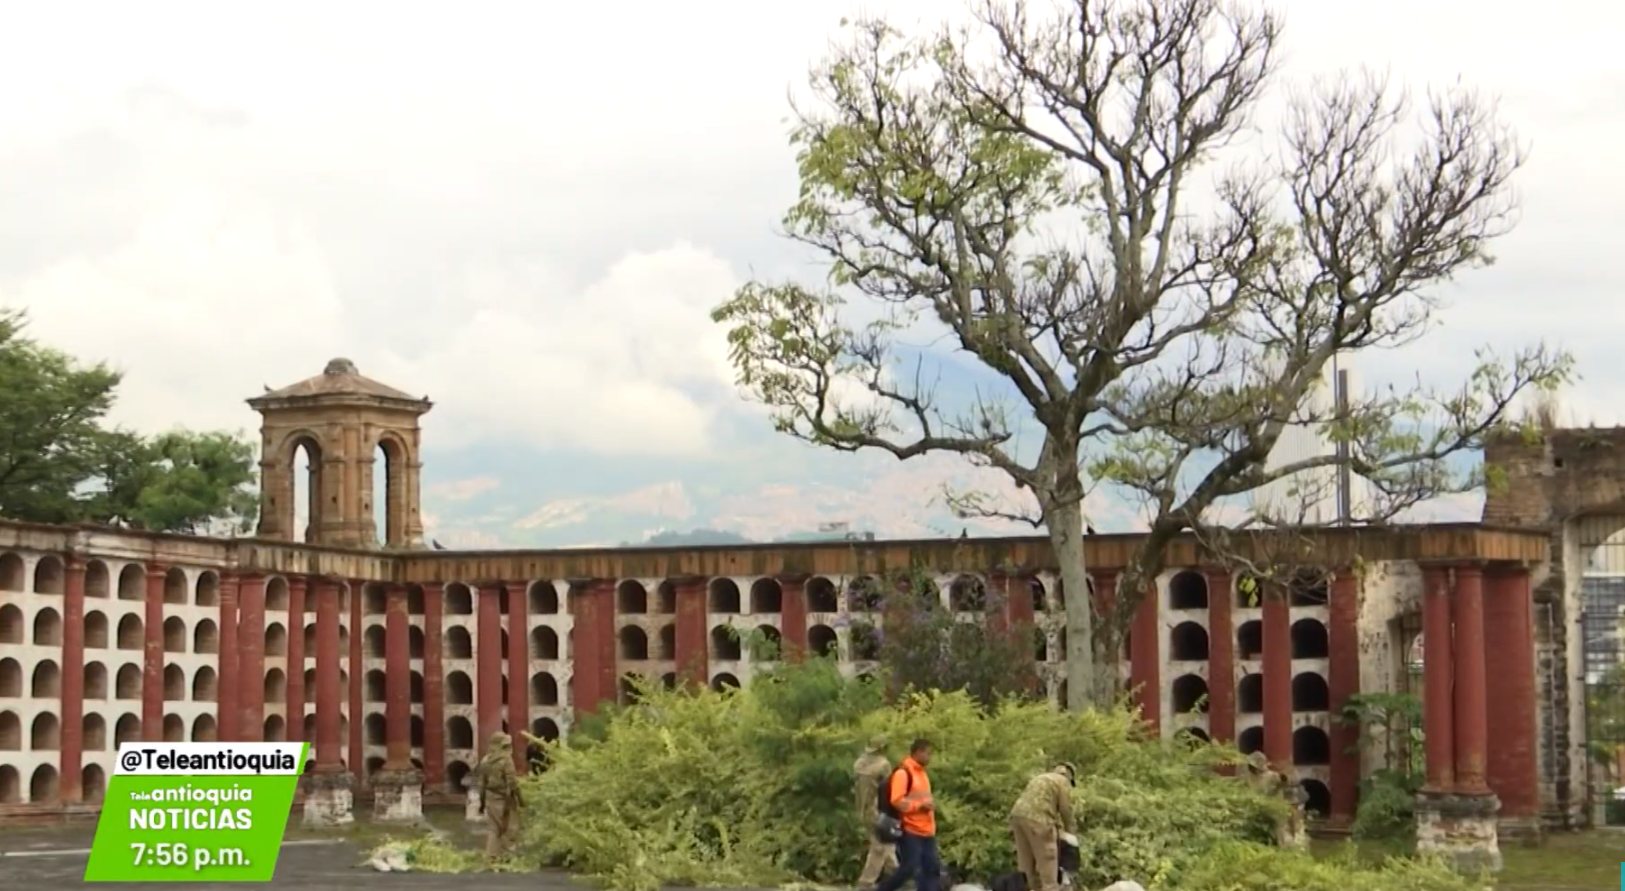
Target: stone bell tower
(342, 421)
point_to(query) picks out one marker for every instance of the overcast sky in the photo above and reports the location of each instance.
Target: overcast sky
(525, 211)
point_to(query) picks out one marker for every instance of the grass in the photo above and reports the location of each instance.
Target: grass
(1570, 861)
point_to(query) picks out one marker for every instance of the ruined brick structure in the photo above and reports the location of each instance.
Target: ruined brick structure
(399, 662)
(1568, 484)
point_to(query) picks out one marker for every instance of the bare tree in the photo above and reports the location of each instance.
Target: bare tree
(1068, 197)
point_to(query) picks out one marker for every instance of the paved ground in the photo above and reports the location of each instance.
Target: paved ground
(50, 859)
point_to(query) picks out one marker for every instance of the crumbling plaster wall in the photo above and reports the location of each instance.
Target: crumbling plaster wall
(1389, 591)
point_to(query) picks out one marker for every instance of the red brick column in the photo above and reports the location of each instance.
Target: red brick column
(1472, 725)
(294, 698)
(152, 663)
(328, 758)
(693, 637)
(1438, 669)
(488, 664)
(602, 638)
(583, 657)
(1277, 676)
(73, 682)
(1221, 657)
(227, 709)
(592, 601)
(1106, 617)
(397, 682)
(999, 602)
(434, 697)
(1018, 616)
(519, 671)
(1509, 634)
(1017, 591)
(356, 741)
(793, 617)
(1145, 659)
(1343, 682)
(251, 657)
(997, 587)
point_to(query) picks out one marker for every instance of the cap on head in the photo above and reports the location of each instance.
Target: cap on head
(1068, 770)
(877, 744)
(1258, 761)
(500, 740)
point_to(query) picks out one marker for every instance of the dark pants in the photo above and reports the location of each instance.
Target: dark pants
(917, 859)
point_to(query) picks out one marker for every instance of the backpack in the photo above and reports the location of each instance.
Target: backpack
(888, 826)
(883, 801)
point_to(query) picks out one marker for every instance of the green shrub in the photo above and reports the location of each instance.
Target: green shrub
(753, 788)
(1387, 809)
(1393, 722)
(1242, 866)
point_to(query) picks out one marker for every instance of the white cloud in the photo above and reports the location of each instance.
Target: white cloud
(668, 500)
(219, 289)
(462, 490)
(491, 210)
(608, 368)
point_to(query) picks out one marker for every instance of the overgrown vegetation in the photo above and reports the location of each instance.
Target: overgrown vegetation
(61, 463)
(1605, 737)
(965, 644)
(753, 788)
(1392, 723)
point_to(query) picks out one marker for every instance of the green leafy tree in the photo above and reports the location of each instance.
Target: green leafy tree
(50, 413)
(1605, 719)
(60, 464)
(1061, 197)
(179, 481)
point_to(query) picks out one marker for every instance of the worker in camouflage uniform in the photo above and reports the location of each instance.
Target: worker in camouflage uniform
(1257, 772)
(1040, 815)
(871, 768)
(499, 793)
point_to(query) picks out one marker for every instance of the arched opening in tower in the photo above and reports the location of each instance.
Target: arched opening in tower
(385, 508)
(305, 488)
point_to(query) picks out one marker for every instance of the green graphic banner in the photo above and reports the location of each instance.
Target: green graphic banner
(195, 812)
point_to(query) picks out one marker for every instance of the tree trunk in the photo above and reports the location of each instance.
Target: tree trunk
(1065, 524)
